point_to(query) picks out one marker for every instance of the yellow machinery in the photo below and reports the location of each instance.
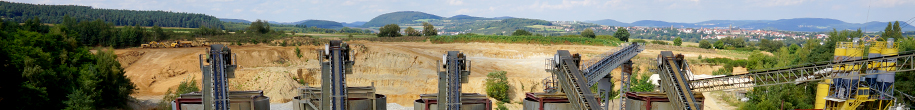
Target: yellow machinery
(844, 91)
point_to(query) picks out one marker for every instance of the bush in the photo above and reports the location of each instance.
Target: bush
(659, 42)
(640, 41)
(298, 52)
(523, 39)
(520, 32)
(642, 83)
(497, 86)
(184, 87)
(501, 106)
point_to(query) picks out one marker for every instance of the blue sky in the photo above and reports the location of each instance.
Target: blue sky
(687, 11)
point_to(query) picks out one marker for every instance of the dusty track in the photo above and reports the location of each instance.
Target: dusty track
(400, 70)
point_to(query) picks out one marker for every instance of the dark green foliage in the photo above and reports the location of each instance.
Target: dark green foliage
(523, 39)
(785, 96)
(640, 83)
(501, 106)
(298, 52)
(208, 31)
(705, 44)
(622, 34)
(390, 30)
(719, 44)
(412, 32)
(607, 37)
(429, 30)
(186, 86)
(22, 12)
(769, 45)
(52, 71)
(892, 31)
(659, 42)
(678, 41)
(497, 86)
(588, 33)
(639, 41)
(322, 24)
(520, 32)
(259, 27)
(402, 17)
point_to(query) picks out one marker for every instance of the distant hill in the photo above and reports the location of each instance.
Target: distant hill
(354, 24)
(401, 17)
(795, 24)
(20, 12)
(609, 22)
(234, 20)
(322, 24)
(504, 17)
(466, 17)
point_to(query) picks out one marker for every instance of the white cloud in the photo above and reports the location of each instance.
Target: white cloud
(455, 2)
(770, 3)
(891, 3)
(349, 3)
(464, 11)
(255, 10)
(237, 10)
(565, 4)
(216, 9)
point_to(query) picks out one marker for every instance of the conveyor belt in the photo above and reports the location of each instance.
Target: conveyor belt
(215, 87)
(333, 73)
(797, 74)
(457, 69)
(600, 66)
(675, 83)
(570, 77)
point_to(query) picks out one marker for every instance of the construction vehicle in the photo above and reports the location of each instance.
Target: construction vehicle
(337, 61)
(450, 97)
(220, 65)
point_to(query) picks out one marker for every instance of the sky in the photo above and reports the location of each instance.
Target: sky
(683, 11)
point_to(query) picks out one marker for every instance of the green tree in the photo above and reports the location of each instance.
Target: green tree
(520, 32)
(641, 83)
(390, 30)
(678, 41)
(184, 87)
(704, 44)
(622, 34)
(588, 33)
(429, 29)
(497, 86)
(892, 31)
(719, 44)
(412, 32)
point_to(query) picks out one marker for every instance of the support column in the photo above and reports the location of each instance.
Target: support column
(625, 75)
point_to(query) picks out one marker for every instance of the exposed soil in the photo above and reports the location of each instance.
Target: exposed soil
(399, 70)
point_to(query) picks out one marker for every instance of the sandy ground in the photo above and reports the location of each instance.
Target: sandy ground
(399, 70)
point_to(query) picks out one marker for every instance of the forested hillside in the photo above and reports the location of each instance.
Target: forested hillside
(402, 17)
(20, 12)
(46, 68)
(322, 24)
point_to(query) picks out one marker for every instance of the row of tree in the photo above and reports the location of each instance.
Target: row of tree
(393, 30)
(100, 33)
(20, 12)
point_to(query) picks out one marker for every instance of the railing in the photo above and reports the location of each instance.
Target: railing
(802, 73)
(600, 66)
